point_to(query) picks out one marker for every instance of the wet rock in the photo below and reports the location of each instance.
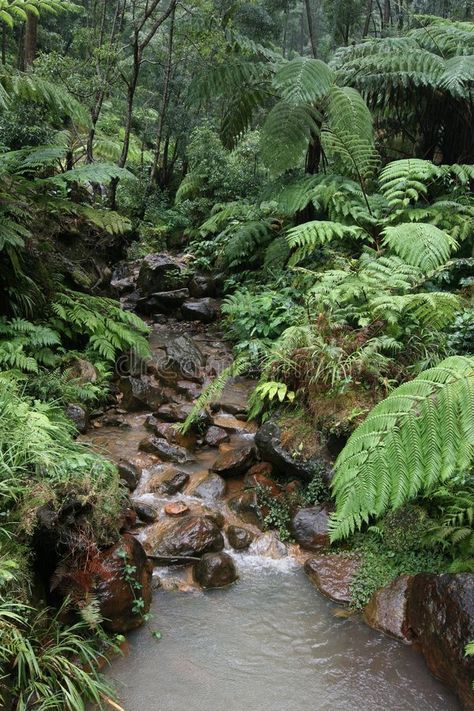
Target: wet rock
(232, 424)
(216, 516)
(246, 507)
(190, 390)
(215, 570)
(256, 476)
(333, 575)
(173, 482)
(239, 538)
(114, 419)
(129, 473)
(441, 618)
(174, 436)
(234, 399)
(387, 609)
(309, 527)
(115, 595)
(212, 486)
(128, 519)
(234, 461)
(184, 357)
(164, 450)
(81, 371)
(269, 546)
(159, 272)
(152, 423)
(216, 436)
(163, 302)
(268, 442)
(188, 536)
(176, 508)
(205, 310)
(140, 392)
(202, 285)
(146, 513)
(78, 417)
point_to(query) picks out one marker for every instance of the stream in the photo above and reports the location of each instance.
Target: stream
(270, 641)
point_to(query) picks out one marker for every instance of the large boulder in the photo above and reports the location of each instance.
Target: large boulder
(387, 609)
(268, 442)
(202, 285)
(234, 461)
(81, 371)
(239, 538)
(140, 392)
(215, 570)
(440, 615)
(205, 310)
(129, 473)
(117, 591)
(163, 449)
(216, 436)
(209, 487)
(245, 506)
(159, 272)
(146, 513)
(333, 575)
(234, 398)
(184, 357)
(173, 482)
(192, 535)
(78, 416)
(163, 302)
(309, 527)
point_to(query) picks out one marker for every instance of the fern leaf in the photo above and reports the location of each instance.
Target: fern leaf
(422, 245)
(306, 238)
(303, 80)
(286, 135)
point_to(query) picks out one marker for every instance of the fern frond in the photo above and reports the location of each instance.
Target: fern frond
(422, 245)
(303, 80)
(306, 238)
(421, 434)
(286, 135)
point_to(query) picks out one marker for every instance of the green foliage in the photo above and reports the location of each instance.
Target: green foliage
(421, 435)
(108, 328)
(57, 666)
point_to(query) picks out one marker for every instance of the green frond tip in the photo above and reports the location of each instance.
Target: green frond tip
(303, 80)
(306, 238)
(420, 435)
(421, 245)
(286, 135)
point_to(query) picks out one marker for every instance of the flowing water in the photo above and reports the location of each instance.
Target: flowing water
(269, 643)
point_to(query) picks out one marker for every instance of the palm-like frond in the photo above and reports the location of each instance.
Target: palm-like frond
(306, 238)
(287, 133)
(303, 80)
(420, 435)
(422, 245)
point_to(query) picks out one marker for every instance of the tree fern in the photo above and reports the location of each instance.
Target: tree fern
(306, 238)
(303, 80)
(421, 245)
(406, 181)
(286, 134)
(422, 434)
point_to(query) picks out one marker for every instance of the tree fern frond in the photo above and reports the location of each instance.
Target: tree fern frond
(306, 238)
(303, 80)
(286, 134)
(422, 245)
(389, 460)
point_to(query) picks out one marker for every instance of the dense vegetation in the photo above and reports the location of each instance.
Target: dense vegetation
(318, 157)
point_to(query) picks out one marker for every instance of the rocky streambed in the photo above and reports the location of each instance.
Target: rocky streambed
(259, 636)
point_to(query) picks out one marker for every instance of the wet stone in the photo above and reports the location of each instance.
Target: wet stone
(146, 513)
(234, 461)
(174, 482)
(212, 486)
(216, 436)
(239, 538)
(215, 570)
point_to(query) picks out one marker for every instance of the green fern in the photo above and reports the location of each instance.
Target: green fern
(303, 81)
(419, 436)
(421, 245)
(287, 133)
(306, 238)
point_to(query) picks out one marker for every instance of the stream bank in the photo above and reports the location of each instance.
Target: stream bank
(195, 511)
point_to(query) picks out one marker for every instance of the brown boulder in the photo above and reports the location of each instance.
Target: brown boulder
(333, 575)
(441, 618)
(216, 436)
(387, 609)
(309, 527)
(163, 449)
(234, 461)
(211, 486)
(123, 599)
(173, 482)
(239, 538)
(187, 536)
(215, 570)
(246, 507)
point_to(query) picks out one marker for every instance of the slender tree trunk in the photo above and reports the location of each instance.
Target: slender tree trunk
(285, 29)
(311, 30)
(4, 45)
(367, 18)
(164, 104)
(30, 40)
(386, 14)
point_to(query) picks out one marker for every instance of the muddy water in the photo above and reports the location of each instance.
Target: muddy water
(269, 642)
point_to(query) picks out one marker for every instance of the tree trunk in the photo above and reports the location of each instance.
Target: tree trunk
(311, 30)
(164, 104)
(30, 40)
(386, 14)
(367, 18)
(4, 45)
